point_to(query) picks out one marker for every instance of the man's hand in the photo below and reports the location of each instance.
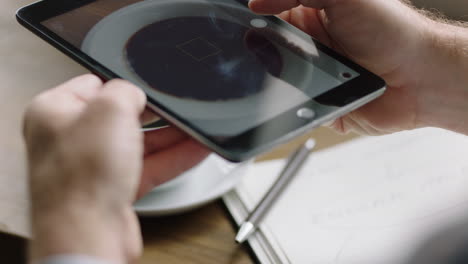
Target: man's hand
(421, 60)
(85, 152)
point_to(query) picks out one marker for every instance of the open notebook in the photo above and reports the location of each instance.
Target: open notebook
(372, 200)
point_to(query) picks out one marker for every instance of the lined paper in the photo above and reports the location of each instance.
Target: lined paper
(373, 200)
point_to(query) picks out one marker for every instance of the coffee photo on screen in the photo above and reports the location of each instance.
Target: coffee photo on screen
(214, 62)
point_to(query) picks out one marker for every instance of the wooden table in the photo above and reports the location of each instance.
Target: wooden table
(207, 235)
(29, 66)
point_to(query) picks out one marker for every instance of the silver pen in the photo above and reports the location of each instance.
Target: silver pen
(293, 165)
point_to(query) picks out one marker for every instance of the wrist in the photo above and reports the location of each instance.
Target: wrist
(85, 230)
(444, 77)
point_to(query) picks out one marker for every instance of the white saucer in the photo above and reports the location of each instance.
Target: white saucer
(199, 186)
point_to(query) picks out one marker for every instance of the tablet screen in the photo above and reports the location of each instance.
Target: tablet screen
(214, 63)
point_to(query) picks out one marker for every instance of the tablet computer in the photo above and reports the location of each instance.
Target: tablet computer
(238, 82)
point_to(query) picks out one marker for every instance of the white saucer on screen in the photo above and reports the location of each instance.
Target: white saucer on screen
(106, 42)
(198, 186)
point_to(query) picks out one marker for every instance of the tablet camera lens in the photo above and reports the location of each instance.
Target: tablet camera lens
(346, 75)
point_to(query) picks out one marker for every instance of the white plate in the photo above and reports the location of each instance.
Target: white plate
(199, 186)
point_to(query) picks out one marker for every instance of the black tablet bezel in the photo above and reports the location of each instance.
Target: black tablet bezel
(237, 148)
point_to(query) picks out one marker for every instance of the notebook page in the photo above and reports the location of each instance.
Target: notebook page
(373, 200)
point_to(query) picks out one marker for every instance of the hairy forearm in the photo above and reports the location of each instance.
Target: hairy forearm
(444, 76)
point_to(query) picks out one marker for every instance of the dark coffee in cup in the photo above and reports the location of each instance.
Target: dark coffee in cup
(203, 58)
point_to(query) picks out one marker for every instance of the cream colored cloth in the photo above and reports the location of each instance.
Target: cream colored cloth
(27, 66)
